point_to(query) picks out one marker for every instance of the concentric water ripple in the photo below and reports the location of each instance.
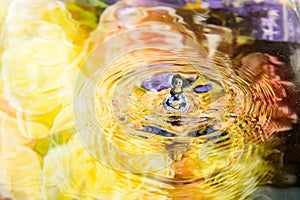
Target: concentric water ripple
(188, 122)
(173, 103)
(124, 119)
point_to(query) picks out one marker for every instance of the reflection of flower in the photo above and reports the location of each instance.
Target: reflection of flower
(158, 83)
(41, 158)
(42, 48)
(71, 172)
(37, 44)
(273, 95)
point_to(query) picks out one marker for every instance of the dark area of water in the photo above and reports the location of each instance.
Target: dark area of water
(287, 175)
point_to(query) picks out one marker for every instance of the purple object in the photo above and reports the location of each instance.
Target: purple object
(270, 19)
(203, 88)
(263, 19)
(157, 83)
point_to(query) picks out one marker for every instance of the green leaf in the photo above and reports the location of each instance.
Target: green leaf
(42, 146)
(84, 16)
(96, 3)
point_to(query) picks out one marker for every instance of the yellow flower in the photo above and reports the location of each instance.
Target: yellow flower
(42, 157)
(41, 55)
(71, 172)
(20, 174)
(41, 51)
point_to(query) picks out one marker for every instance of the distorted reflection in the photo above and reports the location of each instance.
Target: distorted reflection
(148, 99)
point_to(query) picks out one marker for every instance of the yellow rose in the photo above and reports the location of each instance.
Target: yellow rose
(41, 51)
(40, 58)
(71, 172)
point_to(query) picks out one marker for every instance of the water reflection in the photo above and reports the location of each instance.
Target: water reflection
(203, 116)
(170, 103)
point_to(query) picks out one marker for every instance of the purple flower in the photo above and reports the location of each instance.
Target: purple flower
(157, 83)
